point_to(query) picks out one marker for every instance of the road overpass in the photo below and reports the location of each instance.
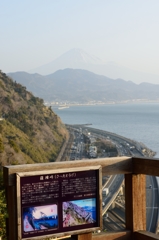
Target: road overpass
(114, 185)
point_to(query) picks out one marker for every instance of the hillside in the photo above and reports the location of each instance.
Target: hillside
(29, 131)
(82, 86)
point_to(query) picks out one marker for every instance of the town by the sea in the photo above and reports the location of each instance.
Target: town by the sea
(136, 121)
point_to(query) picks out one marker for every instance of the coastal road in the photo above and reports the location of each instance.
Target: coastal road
(112, 223)
(130, 148)
(152, 203)
(114, 185)
(126, 147)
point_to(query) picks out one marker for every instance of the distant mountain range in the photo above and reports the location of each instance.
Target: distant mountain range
(79, 59)
(82, 86)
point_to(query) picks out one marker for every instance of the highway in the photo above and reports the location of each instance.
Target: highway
(112, 222)
(152, 191)
(114, 186)
(152, 203)
(125, 147)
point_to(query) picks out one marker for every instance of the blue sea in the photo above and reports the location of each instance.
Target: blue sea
(138, 121)
(91, 210)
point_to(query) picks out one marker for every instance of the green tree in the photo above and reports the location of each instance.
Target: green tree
(1, 146)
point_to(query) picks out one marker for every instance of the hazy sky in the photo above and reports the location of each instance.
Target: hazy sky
(35, 32)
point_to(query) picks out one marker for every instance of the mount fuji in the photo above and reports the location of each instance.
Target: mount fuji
(79, 59)
(75, 58)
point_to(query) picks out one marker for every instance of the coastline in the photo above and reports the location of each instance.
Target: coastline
(136, 121)
(141, 147)
(67, 105)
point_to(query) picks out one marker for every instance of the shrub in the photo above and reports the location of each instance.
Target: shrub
(1, 146)
(13, 145)
(3, 209)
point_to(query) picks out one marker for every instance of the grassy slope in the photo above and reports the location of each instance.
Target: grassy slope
(29, 131)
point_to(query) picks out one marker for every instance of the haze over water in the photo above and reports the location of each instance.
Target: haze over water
(139, 122)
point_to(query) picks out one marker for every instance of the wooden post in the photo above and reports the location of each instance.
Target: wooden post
(85, 236)
(135, 202)
(121, 235)
(11, 206)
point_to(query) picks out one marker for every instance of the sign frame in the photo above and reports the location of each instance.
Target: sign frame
(98, 199)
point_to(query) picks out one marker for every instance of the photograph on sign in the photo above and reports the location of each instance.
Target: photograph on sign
(40, 217)
(79, 212)
(55, 202)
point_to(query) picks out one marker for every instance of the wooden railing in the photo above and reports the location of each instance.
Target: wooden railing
(134, 169)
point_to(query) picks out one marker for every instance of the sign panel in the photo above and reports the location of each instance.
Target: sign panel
(51, 203)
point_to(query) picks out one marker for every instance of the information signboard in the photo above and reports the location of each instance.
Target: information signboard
(50, 203)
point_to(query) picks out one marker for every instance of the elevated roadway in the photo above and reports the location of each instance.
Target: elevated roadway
(152, 191)
(124, 146)
(114, 186)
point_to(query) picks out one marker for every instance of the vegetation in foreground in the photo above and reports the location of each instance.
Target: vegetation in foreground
(29, 132)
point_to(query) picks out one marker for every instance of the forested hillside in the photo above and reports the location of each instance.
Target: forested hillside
(29, 131)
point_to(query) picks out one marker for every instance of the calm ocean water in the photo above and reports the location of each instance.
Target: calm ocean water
(139, 122)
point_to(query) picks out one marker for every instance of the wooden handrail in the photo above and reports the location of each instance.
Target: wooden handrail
(143, 235)
(110, 166)
(147, 166)
(134, 169)
(121, 235)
